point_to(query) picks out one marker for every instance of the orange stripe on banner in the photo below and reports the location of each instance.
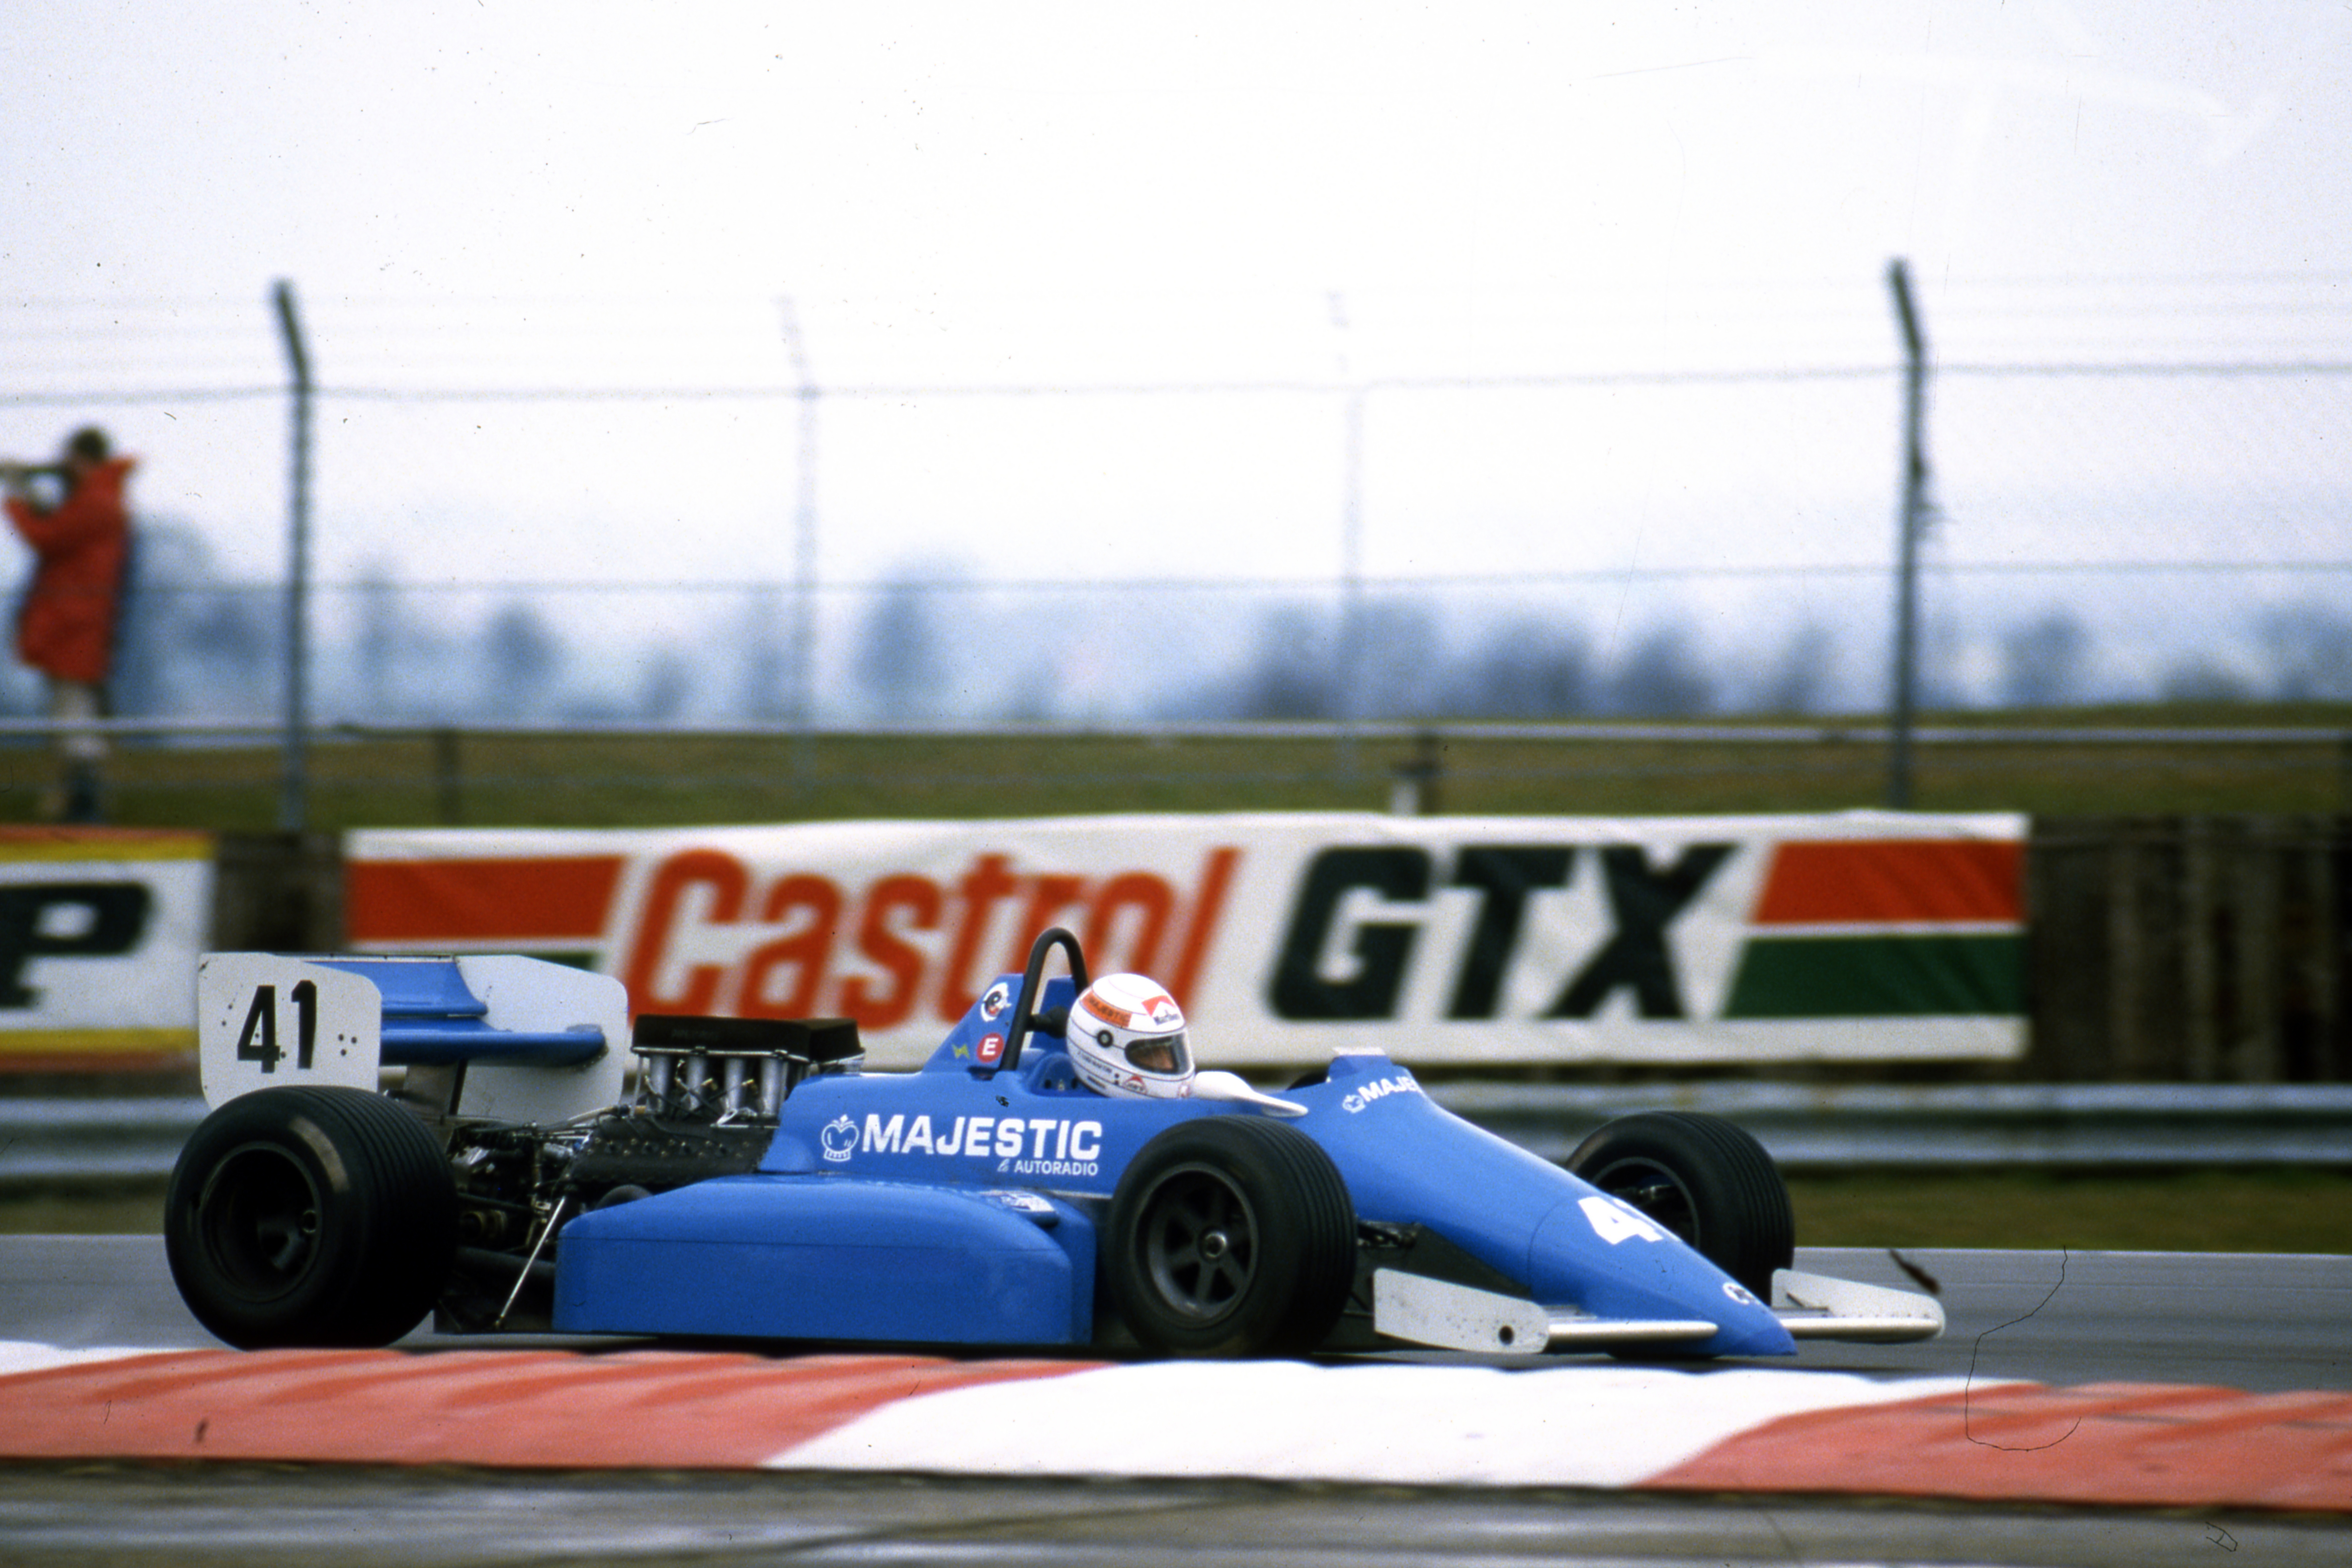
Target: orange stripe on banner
(1880, 880)
(543, 899)
(508, 1408)
(2104, 1443)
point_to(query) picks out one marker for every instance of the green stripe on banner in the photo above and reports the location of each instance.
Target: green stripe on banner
(1880, 977)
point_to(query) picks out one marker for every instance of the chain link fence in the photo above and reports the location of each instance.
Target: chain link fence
(1280, 522)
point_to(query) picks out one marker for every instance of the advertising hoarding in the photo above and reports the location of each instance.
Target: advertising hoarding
(1860, 936)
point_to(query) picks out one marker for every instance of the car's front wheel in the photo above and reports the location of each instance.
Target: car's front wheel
(1231, 1235)
(310, 1215)
(1706, 1180)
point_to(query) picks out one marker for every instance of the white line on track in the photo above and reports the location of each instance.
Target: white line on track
(1579, 1426)
(22, 1355)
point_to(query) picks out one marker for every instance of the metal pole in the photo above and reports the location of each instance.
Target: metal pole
(802, 677)
(294, 790)
(1909, 525)
(1348, 678)
(1347, 655)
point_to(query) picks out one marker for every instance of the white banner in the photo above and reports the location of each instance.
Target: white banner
(1871, 936)
(98, 935)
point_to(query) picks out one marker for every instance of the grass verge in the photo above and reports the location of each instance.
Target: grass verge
(2265, 1210)
(610, 780)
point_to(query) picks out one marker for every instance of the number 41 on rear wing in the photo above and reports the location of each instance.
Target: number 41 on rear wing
(498, 1036)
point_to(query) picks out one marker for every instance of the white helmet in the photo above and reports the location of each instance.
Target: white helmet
(1125, 1036)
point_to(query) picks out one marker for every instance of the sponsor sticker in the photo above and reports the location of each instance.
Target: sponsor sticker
(839, 1139)
(1101, 1009)
(1021, 1146)
(1400, 1082)
(991, 1049)
(993, 1005)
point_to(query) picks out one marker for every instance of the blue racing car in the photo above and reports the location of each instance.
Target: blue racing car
(391, 1137)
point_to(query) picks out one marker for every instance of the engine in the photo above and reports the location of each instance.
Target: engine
(734, 1071)
(708, 1094)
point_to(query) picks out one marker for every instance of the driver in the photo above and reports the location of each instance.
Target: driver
(1125, 1036)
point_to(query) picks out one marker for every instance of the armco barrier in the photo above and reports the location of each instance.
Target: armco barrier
(1804, 1126)
(1824, 1126)
(72, 1140)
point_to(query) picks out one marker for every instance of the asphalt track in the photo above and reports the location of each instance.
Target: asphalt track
(2257, 1321)
(2270, 1326)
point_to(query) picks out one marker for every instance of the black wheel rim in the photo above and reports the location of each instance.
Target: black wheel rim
(1199, 1240)
(1656, 1191)
(259, 1219)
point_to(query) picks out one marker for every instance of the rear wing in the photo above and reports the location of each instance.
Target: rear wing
(492, 1035)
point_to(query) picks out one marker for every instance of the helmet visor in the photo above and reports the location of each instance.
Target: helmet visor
(1160, 1053)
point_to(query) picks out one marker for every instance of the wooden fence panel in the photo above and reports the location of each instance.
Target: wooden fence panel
(2190, 949)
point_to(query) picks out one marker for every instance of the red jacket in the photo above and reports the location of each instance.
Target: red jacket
(66, 626)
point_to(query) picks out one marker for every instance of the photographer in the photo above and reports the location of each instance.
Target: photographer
(72, 515)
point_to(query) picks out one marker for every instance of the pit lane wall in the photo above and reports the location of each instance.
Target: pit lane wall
(1445, 940)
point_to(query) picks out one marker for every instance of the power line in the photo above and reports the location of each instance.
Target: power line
(141, 397)
(1596, 576)
(1273, 386)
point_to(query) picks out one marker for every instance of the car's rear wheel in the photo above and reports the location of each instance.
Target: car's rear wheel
(1231, 1235)
(1706, 1180)
(310, 1215)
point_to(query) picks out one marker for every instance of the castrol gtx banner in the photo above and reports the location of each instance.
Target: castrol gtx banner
(1870, 936)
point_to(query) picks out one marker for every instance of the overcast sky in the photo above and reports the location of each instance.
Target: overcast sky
(484, 194)
(483, 148)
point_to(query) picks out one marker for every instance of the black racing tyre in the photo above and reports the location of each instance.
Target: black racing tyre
(1231, 1235)
(310, 1215)
(1705, 1179)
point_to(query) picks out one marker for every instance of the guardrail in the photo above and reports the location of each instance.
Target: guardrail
(93, 1140)
(1806, 1127)
(1824, 1126)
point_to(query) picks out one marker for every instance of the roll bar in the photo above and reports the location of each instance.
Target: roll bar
(1024, 1013)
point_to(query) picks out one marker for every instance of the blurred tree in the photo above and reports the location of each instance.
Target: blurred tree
(188, 642)
(1399, 661)
(1289, 675)
(899, 663)
(2046, 662)
(2201, 680)
(762, 691)
(1661, 676)
(1798, 680)
(2309, 650)
(522, 658)
(1528, 668)
(394, 655)
(664, 686)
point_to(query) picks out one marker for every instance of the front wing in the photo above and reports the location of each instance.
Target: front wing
(1445, 1315)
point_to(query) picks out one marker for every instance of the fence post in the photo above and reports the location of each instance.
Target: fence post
(1912, 518)
(1348, 681)
(804, 657)
(1347, 662)
(294, 785)
(449, 775)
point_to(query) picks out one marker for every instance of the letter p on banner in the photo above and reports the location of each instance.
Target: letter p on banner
(99, 931)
